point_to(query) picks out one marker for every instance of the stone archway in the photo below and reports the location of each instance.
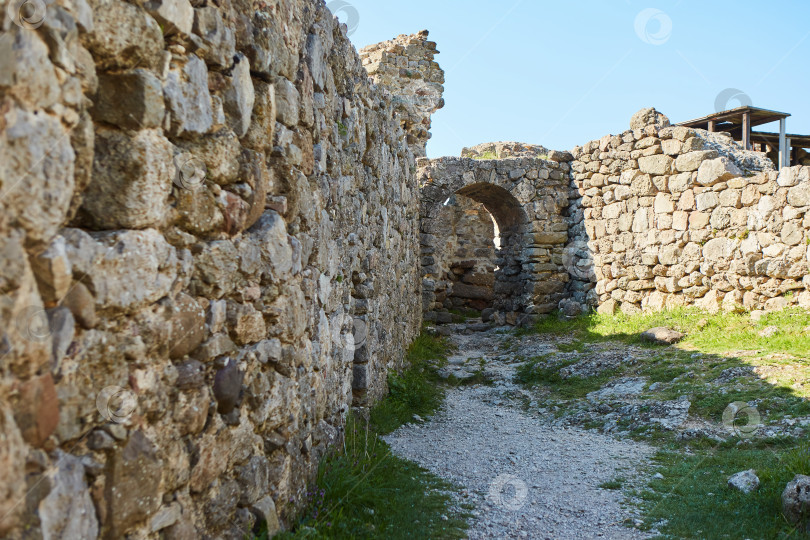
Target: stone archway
(526, 197)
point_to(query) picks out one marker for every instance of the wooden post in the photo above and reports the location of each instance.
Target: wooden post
(746, 130)
(782, 143)
(712, 126)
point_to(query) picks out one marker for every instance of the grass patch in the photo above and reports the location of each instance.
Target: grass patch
(364, 491)
(693, 499)
(614, 484)
(717, 333)
(417, 390)
(489, 154)
(538, 371)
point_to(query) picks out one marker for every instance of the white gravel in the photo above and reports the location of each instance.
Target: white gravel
(525, 478)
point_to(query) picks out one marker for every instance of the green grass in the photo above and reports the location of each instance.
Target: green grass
(364, 491)
(538, 371)
(693, 499)
(614, 484)
(417, 390)
(721, 332)
(489, 154)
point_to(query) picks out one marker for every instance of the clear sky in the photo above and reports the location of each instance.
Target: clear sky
(560, 73)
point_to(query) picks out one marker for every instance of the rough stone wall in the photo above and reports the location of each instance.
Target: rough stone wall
(208, 253)
(465, 255)
(671, 216)
(527, 198)
(406, 67)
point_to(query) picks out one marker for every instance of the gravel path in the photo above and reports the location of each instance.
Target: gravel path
(525, 478)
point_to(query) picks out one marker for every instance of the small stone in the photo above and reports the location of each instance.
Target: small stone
(662, 335)
(265, 510)
(745, 481)
(82, 305)
(228, 387)
(769, 331)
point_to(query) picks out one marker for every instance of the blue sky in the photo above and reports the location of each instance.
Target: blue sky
(562, 73)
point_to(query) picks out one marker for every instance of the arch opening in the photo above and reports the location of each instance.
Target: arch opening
(474, 259)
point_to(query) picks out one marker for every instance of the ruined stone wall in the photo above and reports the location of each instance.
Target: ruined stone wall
(464, 254)
(670, 216)
(208, 253)
(406, 67)
(527, 197)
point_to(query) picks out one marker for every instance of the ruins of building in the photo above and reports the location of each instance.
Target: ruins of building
(218, 234)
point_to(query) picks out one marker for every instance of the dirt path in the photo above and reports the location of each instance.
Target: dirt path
(525, 477)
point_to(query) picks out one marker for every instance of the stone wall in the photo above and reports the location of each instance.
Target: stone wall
(208, 229)
(527, 197)
(406, 67)
(671, 216)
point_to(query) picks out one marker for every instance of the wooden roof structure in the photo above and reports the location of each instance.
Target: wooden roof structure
(739, 123)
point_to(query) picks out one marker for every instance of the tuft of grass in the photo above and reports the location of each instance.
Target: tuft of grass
(364, 491)
(416, 390)
(614, 484)
(489, 154)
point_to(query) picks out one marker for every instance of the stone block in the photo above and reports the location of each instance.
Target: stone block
(132, 178)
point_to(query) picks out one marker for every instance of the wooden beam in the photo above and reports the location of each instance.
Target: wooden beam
(746, 130)
(782, 143)
(712, 125)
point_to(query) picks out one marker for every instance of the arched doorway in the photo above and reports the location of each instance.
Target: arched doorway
(526, 198)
